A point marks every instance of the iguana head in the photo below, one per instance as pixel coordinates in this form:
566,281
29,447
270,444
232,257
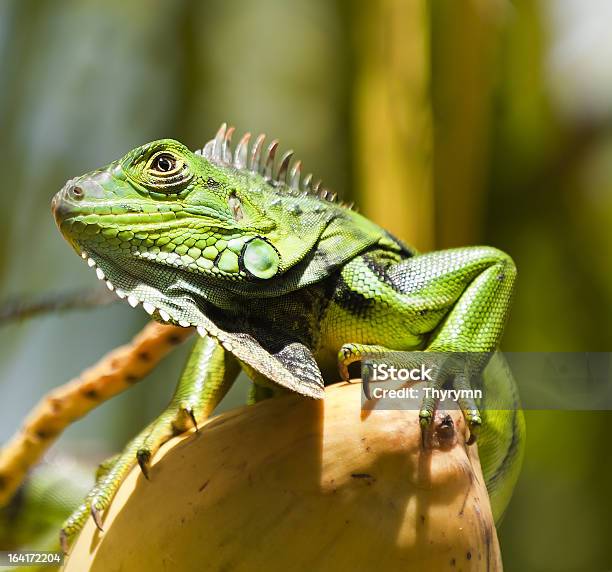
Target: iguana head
216,217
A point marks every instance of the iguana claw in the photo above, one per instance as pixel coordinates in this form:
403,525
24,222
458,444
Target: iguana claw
144,459
97,518
63,540
474,423
184,417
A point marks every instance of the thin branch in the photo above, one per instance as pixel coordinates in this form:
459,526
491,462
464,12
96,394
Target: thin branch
113,374
19,308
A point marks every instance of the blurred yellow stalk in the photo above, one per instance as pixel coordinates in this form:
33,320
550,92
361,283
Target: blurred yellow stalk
393,123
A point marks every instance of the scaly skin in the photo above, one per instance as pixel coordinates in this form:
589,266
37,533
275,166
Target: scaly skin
284,281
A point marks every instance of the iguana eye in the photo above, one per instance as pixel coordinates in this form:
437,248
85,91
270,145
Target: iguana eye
162,171
164,163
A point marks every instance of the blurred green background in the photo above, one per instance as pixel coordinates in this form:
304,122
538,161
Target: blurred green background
450,123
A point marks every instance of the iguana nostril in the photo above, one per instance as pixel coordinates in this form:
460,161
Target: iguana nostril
76,192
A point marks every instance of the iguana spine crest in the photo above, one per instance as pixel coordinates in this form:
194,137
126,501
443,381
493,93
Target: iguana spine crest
219,151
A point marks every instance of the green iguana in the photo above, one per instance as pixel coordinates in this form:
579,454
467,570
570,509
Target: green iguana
282,281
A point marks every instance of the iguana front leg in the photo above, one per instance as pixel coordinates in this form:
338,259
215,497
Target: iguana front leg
477,285
449,301
209,373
